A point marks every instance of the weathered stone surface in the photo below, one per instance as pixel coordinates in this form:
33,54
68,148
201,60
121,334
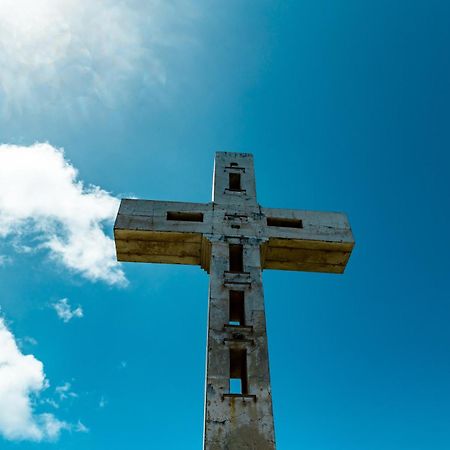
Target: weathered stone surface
233,239
323,244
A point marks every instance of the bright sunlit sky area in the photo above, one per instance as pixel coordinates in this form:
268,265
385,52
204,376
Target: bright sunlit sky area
345,106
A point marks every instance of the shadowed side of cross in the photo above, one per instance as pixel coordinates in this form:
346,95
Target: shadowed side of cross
233,238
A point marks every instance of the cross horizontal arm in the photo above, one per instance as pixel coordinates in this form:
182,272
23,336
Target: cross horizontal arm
177,233
310,241
161,232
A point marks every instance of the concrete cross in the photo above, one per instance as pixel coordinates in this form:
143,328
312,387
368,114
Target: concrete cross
233,238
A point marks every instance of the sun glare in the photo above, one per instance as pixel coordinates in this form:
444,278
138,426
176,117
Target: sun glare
69,54
30,17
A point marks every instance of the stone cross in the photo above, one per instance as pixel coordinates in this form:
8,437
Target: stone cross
233,238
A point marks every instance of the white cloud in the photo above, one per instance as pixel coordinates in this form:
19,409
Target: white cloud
51,402
70,53
123,365
22,378
27,340
64,311
64,391
81,428
4,260
40,196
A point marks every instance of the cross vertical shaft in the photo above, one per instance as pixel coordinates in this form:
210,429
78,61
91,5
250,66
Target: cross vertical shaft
236,417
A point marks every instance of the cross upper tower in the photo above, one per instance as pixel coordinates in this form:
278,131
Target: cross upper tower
233,238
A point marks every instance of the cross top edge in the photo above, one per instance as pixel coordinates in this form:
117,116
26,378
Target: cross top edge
234,179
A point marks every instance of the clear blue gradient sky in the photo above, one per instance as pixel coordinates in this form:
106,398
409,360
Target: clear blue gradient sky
346,107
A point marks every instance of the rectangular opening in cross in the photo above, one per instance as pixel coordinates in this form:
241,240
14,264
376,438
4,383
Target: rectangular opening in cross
234,181
185,216
236,255
238,371
284,222
235,386
237,308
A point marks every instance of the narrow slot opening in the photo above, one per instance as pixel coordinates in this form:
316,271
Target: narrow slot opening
238,371
234,164
237,308
234,181
284,222
236,258
185,216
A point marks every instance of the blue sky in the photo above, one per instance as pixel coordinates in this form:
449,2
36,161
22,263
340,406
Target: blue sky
345,106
